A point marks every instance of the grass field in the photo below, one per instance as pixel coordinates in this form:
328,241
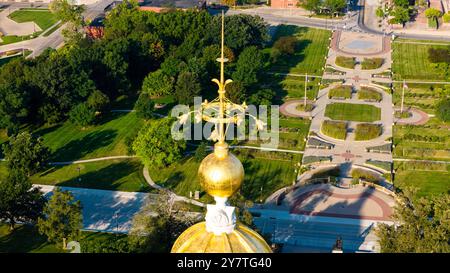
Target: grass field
312,47
410,61
117,174
288,87
43,18
26,239
427,182
70,142
259,172
353,112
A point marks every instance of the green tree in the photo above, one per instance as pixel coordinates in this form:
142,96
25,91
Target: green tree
156,146
443,110
98,101
236,92
187,87
379,12
335,6
157,84
401,15
285,45
422,225
401,3
25,153
15,94
82,115
158,224
249,66
144,106
311,5
67,12
19,201
62,219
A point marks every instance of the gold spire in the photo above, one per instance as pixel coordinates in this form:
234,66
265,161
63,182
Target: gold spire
221,175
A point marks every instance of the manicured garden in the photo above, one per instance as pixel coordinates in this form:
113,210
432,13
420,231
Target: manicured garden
341,91
346,62
425,180
353,112
367,131
334,129
372,63
369,94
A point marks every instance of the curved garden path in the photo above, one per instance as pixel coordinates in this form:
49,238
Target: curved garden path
289,108
418,117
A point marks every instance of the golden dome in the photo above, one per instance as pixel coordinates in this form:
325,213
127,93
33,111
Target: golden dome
221,173
241,240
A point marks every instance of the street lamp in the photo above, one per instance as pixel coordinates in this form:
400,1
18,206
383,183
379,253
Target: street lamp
79,172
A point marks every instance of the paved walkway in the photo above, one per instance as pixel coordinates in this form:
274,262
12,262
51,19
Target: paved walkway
11,27
418,117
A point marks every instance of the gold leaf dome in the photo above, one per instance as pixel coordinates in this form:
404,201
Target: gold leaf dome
221,173
241,240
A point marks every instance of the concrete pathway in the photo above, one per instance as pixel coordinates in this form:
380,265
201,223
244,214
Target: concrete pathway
11,27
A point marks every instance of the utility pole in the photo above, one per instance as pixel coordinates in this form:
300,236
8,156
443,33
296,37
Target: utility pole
403,97
306,84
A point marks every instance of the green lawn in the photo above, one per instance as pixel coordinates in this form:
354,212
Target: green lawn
43,18
427,182
69,142
312,47
270,174
366,131
288,87
372,63
119,175
410,61
353,112
26,239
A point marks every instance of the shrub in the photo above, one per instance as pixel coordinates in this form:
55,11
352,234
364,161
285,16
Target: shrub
347,62
144,106
443,110
335,129
367,93
404,114
366,131
98,101
365,175
446,17
342,91
372,63
157,84
82,115
432,23
308,108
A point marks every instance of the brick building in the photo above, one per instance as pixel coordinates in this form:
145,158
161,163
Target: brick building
283,4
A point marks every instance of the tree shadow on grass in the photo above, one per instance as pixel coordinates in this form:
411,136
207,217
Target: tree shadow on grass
79,148
46,130
25,239
107,177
